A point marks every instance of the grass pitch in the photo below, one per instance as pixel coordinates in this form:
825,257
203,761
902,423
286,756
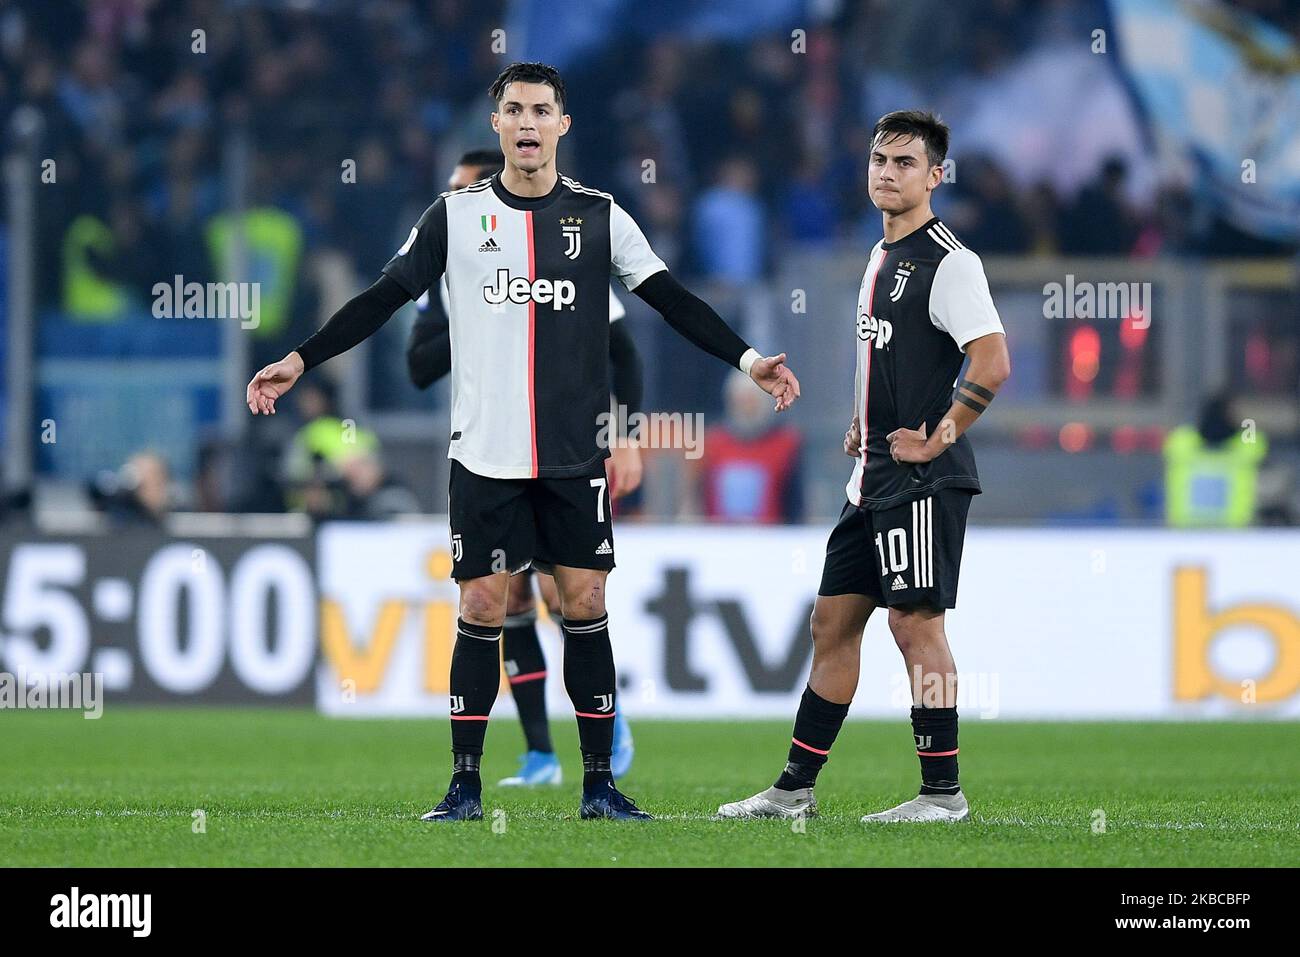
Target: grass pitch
293,788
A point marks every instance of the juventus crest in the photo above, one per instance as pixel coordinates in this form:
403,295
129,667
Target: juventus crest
901,275
572,229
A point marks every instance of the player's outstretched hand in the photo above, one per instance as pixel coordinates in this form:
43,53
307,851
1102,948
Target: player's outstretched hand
775,379
272,382
853,439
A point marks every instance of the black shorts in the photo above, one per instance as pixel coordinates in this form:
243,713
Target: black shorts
906,555
500,525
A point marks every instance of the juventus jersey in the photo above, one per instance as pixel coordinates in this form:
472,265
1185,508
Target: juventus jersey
528,306
922,299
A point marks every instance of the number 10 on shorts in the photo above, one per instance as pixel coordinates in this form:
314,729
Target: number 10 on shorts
896,560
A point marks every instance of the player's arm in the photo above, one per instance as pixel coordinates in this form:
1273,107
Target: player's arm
642,272
990,366
960,304
358,319
428,353
696,321
417,266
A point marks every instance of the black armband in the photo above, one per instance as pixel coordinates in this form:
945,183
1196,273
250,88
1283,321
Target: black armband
970,403
977,389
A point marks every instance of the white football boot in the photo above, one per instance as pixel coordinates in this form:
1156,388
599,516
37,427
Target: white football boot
773,803
925,807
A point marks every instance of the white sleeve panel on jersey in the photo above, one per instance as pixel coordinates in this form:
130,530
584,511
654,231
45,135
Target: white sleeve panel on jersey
616,310
960,302
631,259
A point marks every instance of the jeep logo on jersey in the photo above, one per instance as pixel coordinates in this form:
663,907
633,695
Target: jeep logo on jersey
560,293
572,235
869,327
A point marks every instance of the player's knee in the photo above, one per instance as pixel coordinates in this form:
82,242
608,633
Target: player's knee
481,604
583,598
910,630
825,632
553,607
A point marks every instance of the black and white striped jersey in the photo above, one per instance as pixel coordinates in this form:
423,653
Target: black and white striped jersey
528,304
922,299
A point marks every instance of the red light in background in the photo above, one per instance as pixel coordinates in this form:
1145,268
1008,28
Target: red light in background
1126,439
1133,331
1075,437
1259,358
1085,353
1034,437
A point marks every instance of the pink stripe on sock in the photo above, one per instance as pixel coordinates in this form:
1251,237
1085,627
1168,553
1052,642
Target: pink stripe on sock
808,747
469,717
583,714
531,676
938,754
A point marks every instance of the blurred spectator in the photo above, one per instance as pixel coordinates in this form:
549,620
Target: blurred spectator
730,225
139,493
313,462
751,470
1099,222
985,213
371,493
1212,469
808,210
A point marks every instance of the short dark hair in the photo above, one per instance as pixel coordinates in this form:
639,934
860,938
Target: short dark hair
486,160
919,124
528,73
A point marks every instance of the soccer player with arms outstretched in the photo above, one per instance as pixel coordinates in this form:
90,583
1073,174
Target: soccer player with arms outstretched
923,307
528,256
428,359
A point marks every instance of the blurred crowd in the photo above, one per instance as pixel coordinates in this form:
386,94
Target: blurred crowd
352,113
744,141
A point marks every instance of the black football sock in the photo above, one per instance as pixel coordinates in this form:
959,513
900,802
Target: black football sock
475,677
815,727
526,669
935,731
589,679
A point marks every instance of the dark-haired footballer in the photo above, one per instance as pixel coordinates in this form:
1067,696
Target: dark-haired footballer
923,308
528,256
428,359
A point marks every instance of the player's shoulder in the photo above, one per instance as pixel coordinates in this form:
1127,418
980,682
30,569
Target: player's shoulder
948,247
579,193
465,192
574,186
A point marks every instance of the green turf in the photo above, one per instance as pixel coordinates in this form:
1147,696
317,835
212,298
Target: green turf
294,788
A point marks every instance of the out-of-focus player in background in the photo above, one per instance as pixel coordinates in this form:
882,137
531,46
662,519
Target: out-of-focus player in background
923,307
528,256
428,359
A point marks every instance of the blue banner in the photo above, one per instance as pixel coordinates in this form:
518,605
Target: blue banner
1221,90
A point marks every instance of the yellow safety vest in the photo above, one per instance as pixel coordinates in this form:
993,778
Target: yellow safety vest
86,296
1211,486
